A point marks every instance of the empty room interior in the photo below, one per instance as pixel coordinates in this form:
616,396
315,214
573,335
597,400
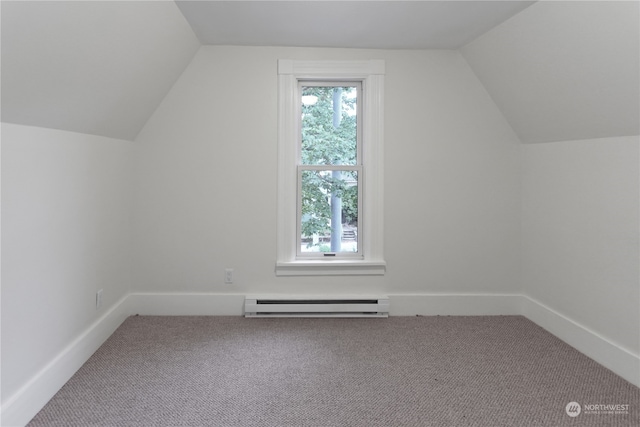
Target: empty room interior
151,170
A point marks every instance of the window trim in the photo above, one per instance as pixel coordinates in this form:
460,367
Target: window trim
371,74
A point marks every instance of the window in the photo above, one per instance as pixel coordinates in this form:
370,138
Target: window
330,168
329,165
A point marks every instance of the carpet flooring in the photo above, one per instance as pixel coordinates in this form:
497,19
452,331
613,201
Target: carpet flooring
487,371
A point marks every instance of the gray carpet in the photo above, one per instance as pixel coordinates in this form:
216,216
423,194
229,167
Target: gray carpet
488,371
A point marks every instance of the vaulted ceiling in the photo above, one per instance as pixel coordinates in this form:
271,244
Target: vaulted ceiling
564,70
558,70
351,24
96,67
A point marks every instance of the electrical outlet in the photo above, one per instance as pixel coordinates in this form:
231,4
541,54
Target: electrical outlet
228,275
99,299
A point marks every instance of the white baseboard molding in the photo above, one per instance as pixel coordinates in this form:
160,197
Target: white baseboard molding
206,304
610,355
24,404
454,304
187,304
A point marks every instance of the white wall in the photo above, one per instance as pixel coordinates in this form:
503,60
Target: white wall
580,219
206,180
66,226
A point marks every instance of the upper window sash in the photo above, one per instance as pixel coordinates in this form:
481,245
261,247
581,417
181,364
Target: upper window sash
357,84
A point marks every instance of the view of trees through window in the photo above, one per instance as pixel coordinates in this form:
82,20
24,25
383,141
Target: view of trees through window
329,169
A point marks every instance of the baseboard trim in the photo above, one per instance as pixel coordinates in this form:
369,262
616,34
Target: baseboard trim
186,304
24,404
610,355
204,304
454,304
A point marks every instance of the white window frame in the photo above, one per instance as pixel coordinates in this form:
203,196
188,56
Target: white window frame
371,74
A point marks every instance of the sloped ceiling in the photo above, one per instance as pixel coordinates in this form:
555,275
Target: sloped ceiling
95,67
558,70
103,67
350,24
564,70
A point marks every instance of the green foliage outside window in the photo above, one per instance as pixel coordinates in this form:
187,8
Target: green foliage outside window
329,137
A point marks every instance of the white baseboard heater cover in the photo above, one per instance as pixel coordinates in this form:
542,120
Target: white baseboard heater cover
316,307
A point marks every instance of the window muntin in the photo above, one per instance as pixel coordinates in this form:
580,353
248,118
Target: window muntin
329,163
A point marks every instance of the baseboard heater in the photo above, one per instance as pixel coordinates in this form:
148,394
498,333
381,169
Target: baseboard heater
316,307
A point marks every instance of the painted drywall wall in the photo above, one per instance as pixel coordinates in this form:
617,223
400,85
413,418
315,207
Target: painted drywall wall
206,180
66,226
580,220
564,70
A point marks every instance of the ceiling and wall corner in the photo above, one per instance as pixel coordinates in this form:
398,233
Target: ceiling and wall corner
563,71
98,68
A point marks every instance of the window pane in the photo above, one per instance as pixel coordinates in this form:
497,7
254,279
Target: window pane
329,125
329,221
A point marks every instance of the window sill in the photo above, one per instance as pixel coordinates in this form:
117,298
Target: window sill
331,268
